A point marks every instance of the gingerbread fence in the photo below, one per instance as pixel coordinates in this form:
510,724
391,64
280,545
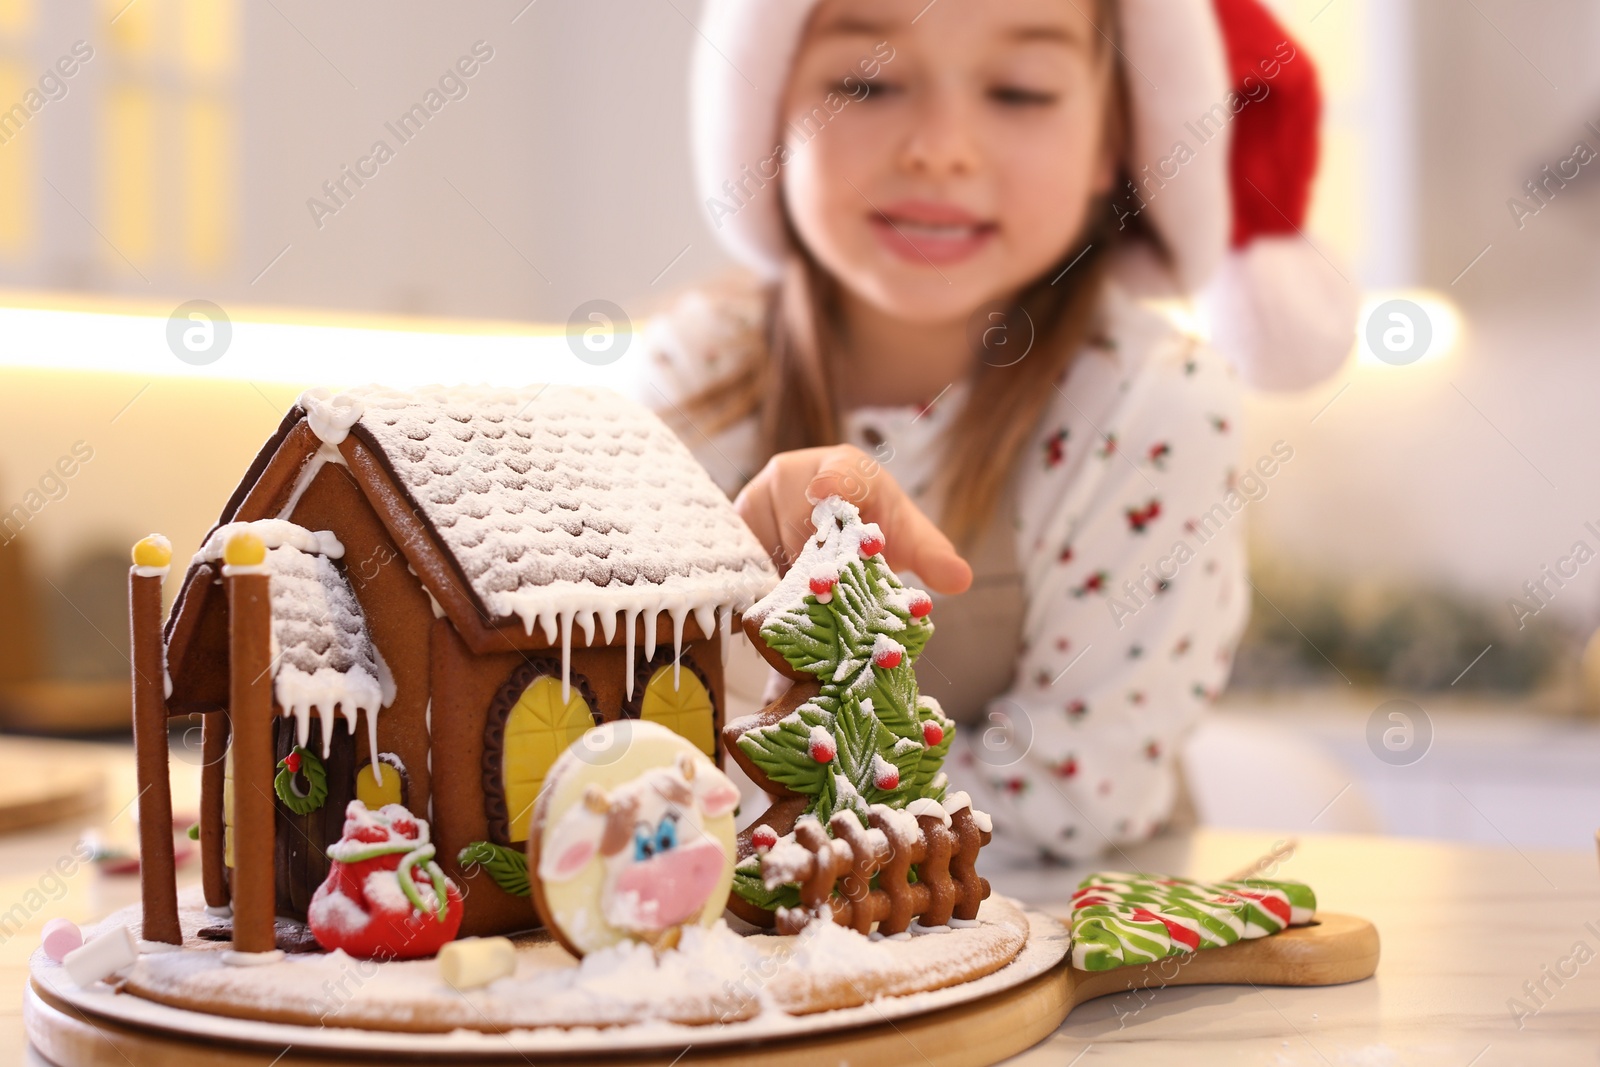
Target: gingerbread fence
836,873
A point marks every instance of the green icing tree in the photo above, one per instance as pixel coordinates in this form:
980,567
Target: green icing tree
842,616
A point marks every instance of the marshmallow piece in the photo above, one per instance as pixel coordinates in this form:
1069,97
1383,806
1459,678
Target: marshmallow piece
476,961
61,936
102,957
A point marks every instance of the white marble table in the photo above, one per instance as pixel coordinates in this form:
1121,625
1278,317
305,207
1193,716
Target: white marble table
1463,928
1449,966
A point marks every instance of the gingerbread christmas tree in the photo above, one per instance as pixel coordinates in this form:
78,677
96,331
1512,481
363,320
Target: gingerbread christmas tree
852,731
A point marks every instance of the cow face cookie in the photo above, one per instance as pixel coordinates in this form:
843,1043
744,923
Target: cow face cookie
632,839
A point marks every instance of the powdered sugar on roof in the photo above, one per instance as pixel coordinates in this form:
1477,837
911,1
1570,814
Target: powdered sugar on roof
561,503
323,658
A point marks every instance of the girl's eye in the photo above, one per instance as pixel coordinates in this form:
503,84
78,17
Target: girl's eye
1015,96
644,844
667,835
862,89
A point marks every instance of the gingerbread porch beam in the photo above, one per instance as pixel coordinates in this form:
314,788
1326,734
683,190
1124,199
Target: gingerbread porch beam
157,869
213,830
250,719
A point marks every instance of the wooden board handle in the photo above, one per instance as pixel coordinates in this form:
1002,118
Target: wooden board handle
1337,949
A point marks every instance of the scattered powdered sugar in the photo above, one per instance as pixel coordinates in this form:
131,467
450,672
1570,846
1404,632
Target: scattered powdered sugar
833,547
954,802
561,503
784,862
324,662
714,975
884,645
899,825
335,911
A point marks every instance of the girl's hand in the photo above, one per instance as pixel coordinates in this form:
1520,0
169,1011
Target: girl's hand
777,505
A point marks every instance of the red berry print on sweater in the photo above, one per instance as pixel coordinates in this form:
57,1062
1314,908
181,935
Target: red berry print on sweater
1066,555
1139,519
1095,583
1218,423
1183,646
1055,449
1067,768
1108,448
1017,786
1158,455
1077,710
1152,751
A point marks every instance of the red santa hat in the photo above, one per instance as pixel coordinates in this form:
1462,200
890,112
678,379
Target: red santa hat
1230,85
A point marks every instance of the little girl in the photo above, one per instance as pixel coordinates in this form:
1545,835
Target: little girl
944,209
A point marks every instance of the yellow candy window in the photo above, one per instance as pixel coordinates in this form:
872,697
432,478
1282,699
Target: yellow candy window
375,792
538,728
684,708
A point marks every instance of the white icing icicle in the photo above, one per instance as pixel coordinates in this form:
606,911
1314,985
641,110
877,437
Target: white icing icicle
629,623
586,619
564,622
649,633
705,617
372,746
677,642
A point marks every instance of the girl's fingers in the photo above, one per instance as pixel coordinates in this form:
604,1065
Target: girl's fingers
923,548
756,506
913,541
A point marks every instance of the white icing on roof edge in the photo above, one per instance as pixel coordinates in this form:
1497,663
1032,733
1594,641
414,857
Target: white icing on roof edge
274,533
710,598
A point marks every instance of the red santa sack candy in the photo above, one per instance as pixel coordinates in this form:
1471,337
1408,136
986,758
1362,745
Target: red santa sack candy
384,897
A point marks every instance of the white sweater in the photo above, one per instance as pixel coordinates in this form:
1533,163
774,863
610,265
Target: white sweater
1132,477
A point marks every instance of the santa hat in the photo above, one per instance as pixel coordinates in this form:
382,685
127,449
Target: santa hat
1230,84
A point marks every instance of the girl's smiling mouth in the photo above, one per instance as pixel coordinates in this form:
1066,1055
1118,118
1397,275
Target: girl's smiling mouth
926,231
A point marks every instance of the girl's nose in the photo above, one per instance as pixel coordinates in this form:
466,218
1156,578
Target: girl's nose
940,142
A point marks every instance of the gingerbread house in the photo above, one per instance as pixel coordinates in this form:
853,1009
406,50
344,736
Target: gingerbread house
423,598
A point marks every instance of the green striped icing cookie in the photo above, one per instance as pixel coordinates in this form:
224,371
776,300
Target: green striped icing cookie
1119,920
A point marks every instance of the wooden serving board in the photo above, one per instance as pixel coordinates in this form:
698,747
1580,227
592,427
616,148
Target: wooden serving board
1336,949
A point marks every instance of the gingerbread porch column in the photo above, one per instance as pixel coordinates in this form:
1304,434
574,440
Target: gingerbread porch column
157,875
250,717
213,827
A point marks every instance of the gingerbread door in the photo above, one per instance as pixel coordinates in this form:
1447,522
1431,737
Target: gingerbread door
312,793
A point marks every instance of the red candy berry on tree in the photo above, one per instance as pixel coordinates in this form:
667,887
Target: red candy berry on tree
888,658
763,838
932,733
871,545
921,604
822,587
822,748
885,775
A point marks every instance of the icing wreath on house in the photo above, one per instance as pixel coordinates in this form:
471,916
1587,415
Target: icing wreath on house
453,585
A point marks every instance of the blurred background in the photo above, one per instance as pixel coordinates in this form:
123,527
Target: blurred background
203,150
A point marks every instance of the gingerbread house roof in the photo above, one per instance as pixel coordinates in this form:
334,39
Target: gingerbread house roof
558,504
323,657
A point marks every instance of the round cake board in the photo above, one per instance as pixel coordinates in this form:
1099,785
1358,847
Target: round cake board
980,1031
